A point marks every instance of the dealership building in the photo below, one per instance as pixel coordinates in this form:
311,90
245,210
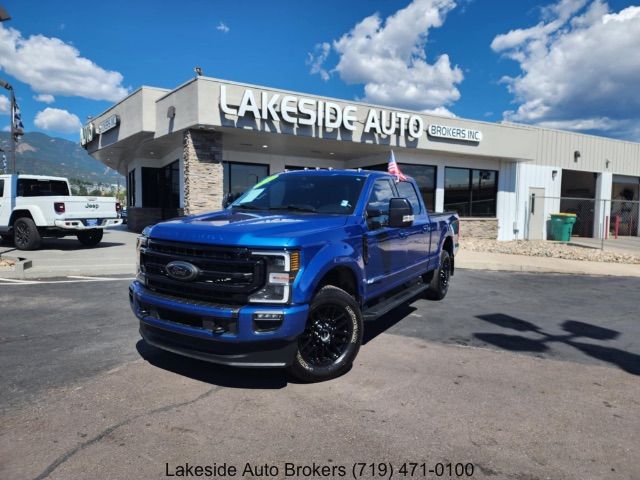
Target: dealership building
183,150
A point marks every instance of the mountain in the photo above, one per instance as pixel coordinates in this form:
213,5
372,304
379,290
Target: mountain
40,154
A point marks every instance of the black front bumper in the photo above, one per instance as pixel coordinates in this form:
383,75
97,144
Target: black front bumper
277,353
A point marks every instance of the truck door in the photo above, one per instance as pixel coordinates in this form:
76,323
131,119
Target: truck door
418,235
386,249
5,204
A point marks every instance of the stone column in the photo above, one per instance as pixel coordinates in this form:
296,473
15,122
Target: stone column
203,172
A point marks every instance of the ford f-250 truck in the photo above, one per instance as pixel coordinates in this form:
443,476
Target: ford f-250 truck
35,206
286,274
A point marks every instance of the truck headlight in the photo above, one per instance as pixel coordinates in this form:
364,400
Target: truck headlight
141,243
281,271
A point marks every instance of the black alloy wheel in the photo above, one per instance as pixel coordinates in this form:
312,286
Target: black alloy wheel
327,336
26,235
331,338
439,281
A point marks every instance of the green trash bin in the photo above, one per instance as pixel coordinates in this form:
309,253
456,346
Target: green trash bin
562,226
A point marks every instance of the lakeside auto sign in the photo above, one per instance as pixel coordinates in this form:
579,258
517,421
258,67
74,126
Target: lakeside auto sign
325,113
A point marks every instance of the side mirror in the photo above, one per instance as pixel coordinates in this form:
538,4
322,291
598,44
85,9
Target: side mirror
400,213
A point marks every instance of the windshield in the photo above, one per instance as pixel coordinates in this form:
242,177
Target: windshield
333,194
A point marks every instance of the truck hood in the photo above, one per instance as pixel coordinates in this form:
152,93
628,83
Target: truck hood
249,229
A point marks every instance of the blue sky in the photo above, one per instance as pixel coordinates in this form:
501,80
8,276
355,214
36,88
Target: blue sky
275,44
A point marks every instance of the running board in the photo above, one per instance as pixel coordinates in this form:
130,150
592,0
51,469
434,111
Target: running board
396,300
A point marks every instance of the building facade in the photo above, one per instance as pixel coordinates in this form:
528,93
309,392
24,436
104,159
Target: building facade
183,150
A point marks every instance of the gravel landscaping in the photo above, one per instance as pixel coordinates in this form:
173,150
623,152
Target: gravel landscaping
6,263
541,248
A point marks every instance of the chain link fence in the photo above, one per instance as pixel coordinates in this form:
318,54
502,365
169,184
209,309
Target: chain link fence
605,224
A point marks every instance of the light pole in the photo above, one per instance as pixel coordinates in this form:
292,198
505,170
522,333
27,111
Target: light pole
12,121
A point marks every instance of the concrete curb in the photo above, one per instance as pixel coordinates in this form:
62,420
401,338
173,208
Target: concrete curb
521,263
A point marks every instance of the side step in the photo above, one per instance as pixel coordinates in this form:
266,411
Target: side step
394,301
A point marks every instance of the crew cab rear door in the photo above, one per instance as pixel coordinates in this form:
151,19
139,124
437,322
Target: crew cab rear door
417,236
385,248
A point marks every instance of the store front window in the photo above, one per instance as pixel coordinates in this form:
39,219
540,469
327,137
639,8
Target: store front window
470,192
161,189
425,177
131,188
239,177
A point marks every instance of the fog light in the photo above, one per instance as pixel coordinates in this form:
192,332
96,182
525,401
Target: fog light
267,321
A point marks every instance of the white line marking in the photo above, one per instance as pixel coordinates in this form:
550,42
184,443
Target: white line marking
19,283
82,277
11,280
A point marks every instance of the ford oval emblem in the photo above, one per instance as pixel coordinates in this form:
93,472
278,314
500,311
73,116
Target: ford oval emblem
183,271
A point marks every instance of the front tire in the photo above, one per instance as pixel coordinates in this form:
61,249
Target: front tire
90,238
26,235
439,281
331,339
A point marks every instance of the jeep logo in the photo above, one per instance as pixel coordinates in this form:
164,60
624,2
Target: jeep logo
95,206
183,271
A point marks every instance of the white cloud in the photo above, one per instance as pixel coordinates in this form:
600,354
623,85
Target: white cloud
388,57
45,98
223,27
580,69
52,66
57,120
316,60
5,105
6,128
440,112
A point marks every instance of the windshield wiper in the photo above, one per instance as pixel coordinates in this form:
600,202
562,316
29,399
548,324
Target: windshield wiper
297,208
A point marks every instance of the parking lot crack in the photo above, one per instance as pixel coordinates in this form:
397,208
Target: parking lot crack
107,431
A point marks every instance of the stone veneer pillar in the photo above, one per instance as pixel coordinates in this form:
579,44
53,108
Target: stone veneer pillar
203,172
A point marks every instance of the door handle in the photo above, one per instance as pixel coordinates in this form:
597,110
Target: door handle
425,228
402,234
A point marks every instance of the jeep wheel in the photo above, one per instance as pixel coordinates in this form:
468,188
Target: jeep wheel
26,235
439,284
332,337
90,238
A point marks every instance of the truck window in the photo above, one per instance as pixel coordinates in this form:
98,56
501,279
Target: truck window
32,187
378,204
1,188
407,190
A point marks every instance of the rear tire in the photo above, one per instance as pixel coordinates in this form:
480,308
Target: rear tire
90,238
331,339
26,235
440,279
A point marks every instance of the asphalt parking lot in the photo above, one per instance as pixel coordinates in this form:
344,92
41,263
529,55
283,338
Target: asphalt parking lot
66,256
526,376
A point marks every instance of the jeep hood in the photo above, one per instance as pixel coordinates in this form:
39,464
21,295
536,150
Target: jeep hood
250,228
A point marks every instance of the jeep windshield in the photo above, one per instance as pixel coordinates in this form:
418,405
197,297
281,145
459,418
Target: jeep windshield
328,194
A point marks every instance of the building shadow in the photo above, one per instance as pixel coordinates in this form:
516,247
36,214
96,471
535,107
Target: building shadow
574,334
221,375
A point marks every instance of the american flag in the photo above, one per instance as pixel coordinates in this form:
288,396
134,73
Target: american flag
18,127
393,169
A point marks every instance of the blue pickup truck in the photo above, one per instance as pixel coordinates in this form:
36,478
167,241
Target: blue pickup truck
286,275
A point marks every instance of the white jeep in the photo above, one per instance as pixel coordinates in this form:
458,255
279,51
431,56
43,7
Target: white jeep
33,207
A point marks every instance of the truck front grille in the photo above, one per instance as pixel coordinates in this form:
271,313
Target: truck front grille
226,275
